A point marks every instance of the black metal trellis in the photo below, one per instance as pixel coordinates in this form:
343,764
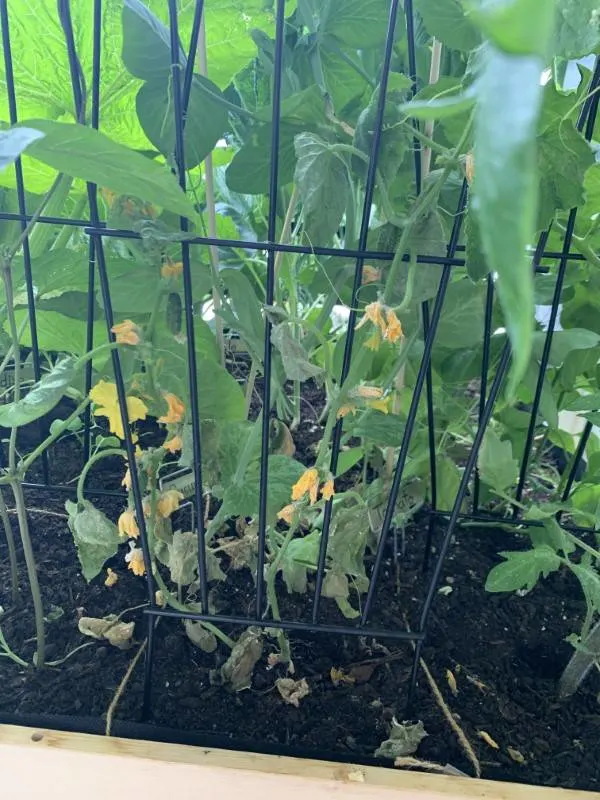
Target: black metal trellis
97,230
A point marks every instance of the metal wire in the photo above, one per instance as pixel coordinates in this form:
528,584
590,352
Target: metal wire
492,374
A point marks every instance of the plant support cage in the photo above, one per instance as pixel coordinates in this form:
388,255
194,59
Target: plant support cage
443,524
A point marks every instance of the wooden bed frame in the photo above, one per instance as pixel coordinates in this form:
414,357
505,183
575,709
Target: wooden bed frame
54,765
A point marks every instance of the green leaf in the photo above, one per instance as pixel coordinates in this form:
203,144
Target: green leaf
590,583
58,333
439,105
90,155
521,27
577,28
564,158
146,42
246,318
448,479
522,569
462,313
563,342
220,396
495,462
348,459
250,168
322,180
505,187
293,356
356,23
384,430
447,21
41,398
205,122
96,537
242,499
13,142
553,536
301,553
587,402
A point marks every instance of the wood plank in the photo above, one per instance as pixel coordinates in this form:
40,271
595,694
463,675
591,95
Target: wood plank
70,766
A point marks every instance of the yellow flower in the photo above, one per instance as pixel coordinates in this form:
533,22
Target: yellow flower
287,513
172,269
370,274
373,313
382,405
111,578
308,483
368,392
169,502
135,560
176,409
127,524
174,445
104,395
328,489
343,411
374,341
393,331
386,324
159,598
126,482
126,332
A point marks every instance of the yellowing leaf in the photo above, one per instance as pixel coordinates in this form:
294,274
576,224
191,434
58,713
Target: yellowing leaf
488,740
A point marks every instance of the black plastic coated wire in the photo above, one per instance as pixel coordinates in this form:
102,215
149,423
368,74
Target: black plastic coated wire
362,243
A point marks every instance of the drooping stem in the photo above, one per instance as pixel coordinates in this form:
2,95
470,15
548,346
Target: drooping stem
94,460
12,550
209,188
434,76
32,575
250,383
26,463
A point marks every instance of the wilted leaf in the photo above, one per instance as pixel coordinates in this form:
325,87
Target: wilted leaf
404,740
293,356
238,668
96,537
183,558
292,691
339,677
198,635
110,628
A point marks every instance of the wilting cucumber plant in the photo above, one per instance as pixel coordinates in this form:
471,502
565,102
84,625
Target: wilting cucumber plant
488,109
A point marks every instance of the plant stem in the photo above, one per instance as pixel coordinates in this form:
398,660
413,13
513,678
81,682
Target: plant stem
250,386
171,600
24,464
209,188
33,221
434,76
8,653
34,585
94,460
12,550
67,230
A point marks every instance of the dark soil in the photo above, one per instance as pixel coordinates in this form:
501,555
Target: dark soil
506,653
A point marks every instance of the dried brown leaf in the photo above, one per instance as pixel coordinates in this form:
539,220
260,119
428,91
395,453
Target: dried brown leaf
292,691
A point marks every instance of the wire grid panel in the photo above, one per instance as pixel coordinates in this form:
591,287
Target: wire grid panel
86,98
